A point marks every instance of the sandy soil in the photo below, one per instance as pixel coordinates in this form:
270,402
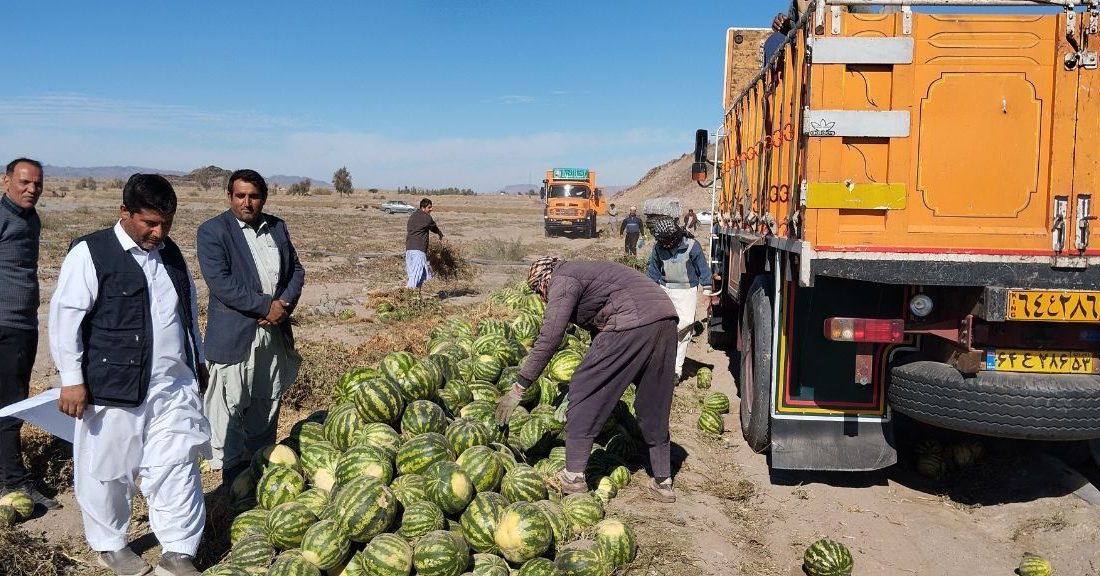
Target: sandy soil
733,515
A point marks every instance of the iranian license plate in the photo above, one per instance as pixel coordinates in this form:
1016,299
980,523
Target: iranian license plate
1053,306
1045,361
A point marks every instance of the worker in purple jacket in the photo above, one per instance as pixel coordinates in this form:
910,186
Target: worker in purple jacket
634,326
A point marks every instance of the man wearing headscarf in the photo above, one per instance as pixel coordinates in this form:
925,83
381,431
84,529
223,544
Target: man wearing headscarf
634,327
678,265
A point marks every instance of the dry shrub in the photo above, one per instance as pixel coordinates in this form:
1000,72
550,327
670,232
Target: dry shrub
48,457
632,261
448,262
403,304
22,554
323,362
507,250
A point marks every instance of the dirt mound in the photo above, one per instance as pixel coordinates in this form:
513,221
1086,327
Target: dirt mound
673,179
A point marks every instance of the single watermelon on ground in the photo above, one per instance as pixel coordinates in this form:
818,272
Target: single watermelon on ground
440,553
827,558
579,562
615,541
523,532
479,520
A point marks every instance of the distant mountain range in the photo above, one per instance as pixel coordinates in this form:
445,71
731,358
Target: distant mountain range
124,172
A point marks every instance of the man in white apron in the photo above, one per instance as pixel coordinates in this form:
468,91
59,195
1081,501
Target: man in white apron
124,335
678,265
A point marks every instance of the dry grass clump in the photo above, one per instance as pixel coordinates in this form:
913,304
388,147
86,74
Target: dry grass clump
506,250
323,362
403,304
448,261
1054,523
48,457
22,554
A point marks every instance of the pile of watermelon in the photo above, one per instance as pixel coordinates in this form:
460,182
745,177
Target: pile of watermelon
715,405
407,471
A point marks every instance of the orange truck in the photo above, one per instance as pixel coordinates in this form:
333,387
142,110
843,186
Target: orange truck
572,202
904,206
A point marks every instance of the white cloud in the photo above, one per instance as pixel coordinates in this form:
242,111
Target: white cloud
516,99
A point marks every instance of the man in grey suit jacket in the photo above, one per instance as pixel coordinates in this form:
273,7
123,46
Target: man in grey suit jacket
255,280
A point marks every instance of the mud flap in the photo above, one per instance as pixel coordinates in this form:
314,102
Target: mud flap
840,444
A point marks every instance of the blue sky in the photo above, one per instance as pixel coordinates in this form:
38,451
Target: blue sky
477,93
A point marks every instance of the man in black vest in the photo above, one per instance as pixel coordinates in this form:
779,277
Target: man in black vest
124,336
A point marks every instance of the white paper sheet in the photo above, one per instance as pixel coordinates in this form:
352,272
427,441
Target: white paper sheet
41,410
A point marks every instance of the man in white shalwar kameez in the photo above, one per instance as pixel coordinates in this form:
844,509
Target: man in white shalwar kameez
124,335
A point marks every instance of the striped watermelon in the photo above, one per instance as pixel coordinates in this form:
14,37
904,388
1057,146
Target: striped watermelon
20,501
482,390
8,516
364,508
287,523
227,570
273,455
523,484
482,464
534,431
449,486
703,378
516,352
353,567
711,422
243,487
487,367
252,551
479,410
450,401
507,456
548,468
491,345
454,326
445,365
563,364
519,417
396,364
387,555
827,558
381,436
421,417
463,434
583,510
418,381
319,455
579,562
324,546
489,565
620,476
342,392
717,402
304,433
559,522
420,452
533,304
246,523
342,424
420,518
315,499
440,553
549,391
522,532
1034,565
537,567
363,460
278,485
621,446
379,400
291,563
615,542
525,328
493,326
465,369
479,521
410,488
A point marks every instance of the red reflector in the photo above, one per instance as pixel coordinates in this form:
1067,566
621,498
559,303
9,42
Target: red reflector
864,330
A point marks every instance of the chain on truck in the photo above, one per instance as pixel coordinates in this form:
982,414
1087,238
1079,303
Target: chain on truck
906,203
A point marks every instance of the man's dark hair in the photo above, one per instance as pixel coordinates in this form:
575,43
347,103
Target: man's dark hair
424,202
252,177
151,191
18,161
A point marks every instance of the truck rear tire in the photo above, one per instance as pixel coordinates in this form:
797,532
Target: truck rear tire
756,373
1001,404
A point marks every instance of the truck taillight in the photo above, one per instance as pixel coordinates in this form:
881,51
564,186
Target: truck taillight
864,330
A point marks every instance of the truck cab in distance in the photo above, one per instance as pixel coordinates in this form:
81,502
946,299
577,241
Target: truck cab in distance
572,202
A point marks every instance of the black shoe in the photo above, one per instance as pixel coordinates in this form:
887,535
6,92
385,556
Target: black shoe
41,499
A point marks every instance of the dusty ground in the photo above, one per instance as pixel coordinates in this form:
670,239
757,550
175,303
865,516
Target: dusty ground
733,516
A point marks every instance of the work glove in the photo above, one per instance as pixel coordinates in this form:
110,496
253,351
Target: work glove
508,402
